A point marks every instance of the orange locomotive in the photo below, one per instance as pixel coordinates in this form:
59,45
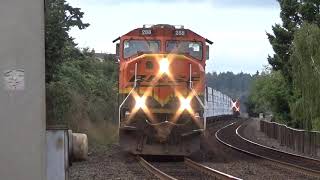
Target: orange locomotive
161,90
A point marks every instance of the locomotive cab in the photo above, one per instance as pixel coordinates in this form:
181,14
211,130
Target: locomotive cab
161,90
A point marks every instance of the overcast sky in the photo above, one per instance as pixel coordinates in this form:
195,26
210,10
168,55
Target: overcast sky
237,28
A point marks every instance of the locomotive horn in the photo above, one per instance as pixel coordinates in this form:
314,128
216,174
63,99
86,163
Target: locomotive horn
117,39
208,41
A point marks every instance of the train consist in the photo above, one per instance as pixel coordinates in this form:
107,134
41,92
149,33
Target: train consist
219,104
163,98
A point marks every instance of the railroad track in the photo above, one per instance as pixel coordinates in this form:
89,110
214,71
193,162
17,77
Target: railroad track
229,135
209,171
183,170
214,119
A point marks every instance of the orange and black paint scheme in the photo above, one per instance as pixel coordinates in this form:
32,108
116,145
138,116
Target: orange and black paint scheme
161,90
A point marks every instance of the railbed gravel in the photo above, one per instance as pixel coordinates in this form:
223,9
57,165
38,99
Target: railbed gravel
179,170
227,160
108,162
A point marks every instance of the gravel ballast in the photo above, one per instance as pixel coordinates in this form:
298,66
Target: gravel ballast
230,161
108,162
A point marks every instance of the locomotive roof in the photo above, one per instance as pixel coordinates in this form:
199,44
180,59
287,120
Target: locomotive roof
164,30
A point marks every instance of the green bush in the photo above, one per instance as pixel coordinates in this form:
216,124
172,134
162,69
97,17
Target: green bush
81,91
83,95
269,95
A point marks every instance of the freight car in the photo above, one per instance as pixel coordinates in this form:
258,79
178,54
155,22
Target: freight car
162,92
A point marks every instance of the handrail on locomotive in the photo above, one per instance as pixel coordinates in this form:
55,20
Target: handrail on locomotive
199,100
131,91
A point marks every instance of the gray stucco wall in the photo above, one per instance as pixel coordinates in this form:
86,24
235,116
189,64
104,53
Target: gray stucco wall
22,110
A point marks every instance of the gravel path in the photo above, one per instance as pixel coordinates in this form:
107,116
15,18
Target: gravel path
252,132
108,162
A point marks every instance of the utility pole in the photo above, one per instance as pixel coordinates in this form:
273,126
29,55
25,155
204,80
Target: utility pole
22,90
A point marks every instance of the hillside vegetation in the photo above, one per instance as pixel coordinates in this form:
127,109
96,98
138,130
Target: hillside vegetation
81,90
236,86
290,90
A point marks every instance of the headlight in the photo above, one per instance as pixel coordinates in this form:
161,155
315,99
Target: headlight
140,102
164,65
185,103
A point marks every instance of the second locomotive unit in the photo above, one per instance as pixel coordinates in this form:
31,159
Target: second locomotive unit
162,90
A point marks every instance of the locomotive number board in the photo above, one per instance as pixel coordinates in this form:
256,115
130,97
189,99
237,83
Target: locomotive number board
180,32
146,32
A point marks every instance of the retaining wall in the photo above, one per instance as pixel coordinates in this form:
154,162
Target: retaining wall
306,142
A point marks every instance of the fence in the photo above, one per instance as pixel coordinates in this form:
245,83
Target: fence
307,142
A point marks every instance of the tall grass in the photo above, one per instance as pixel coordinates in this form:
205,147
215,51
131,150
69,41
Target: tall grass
84,97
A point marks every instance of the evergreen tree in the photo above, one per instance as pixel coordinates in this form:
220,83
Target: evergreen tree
282,37
293,14
60,18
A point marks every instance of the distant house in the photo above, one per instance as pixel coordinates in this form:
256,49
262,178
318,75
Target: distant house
100,56
105,57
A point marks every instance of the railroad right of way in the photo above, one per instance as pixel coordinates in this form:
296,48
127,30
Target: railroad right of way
229,136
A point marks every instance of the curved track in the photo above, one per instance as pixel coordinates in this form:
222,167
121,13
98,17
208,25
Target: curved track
229,135
186,170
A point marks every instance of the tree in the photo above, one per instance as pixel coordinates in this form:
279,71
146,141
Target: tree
293,14
269,94
282,37
81,91
305,62
60,18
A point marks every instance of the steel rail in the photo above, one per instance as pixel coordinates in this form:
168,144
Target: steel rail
273,149
208,171
281,163
153,170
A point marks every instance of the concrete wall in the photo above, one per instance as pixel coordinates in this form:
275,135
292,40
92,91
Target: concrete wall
22,90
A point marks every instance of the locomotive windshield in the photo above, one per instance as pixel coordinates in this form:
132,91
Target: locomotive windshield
191,48
133,47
